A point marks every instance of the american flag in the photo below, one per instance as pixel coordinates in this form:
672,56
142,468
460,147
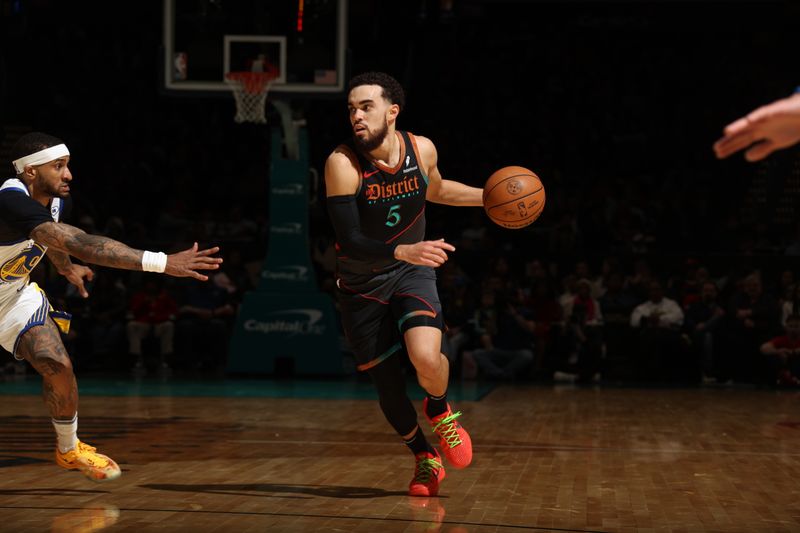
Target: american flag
325,77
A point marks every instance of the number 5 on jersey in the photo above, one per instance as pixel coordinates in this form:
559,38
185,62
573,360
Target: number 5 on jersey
393,217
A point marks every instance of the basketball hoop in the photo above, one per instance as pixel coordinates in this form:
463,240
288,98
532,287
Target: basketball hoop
250,91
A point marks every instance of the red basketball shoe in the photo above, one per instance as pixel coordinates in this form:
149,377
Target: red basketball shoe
428,474
453,438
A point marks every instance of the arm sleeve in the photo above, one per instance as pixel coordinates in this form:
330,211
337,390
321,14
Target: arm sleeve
22,212
343,212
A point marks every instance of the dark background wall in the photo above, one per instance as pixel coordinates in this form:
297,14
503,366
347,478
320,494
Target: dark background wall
605,100
614,104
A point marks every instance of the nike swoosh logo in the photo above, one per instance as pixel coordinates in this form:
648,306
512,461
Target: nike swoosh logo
368,174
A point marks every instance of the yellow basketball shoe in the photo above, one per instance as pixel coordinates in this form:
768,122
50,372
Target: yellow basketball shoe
95,466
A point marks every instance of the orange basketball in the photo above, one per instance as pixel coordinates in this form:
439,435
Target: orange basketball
513,197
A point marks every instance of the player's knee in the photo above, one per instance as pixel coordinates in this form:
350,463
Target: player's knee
66,367
52,364
428,362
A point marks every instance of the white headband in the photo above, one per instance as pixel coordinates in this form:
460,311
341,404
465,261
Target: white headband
41,157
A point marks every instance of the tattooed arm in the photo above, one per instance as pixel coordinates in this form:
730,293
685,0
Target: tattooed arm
60,260
74,273
89,248
107,252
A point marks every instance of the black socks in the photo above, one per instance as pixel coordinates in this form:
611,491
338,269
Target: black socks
436,405
418,443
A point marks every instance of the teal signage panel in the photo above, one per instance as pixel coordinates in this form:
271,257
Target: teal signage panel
300,327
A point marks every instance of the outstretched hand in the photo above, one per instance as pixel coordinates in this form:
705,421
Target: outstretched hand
76,274
186,263
766,129
424,253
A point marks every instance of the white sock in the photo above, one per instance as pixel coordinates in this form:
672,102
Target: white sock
67,432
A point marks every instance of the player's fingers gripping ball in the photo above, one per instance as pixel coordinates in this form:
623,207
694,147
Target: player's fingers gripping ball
513,197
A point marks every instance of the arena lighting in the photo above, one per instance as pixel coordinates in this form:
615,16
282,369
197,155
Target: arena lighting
300,16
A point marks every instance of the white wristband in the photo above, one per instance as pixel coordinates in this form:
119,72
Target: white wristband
154,261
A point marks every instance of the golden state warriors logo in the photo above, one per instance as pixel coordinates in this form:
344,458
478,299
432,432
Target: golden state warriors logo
21,265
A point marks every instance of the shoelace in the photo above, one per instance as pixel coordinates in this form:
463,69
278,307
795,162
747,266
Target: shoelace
425,468
86,447
88,452
447,429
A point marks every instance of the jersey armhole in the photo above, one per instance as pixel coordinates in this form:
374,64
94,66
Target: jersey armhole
414,147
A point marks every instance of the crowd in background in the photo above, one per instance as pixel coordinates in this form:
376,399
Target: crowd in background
652,260
513,312
524,313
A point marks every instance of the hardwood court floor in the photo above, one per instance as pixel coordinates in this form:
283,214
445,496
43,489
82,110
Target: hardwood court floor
546,459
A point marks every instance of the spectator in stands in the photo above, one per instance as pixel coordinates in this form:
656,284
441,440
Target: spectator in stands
617,305
565,236
204,321
755,318
609,265
107,307
687,286
548,316
505,337
569,288
583,271
704,320
535,271
151,312
791,306
638,283
584,331
457,298
234,277
783,352
500,277
237,227
785,287
793,246
658,321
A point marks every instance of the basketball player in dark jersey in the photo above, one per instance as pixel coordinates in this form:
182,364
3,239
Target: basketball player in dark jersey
377,185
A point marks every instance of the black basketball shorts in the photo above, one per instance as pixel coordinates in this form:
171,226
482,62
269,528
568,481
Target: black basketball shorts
375,313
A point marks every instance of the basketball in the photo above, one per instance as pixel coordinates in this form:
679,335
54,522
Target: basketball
513,197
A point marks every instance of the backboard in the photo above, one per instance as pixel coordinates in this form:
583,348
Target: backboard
304,40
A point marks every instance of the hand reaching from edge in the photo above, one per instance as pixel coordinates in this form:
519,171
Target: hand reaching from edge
766,129
186,263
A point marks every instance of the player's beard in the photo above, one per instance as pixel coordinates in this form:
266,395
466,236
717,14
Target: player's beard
53,190
369,143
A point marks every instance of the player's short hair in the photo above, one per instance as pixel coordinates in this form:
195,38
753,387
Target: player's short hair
31,143
392,90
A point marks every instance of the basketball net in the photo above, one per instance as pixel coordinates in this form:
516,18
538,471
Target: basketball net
250,92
